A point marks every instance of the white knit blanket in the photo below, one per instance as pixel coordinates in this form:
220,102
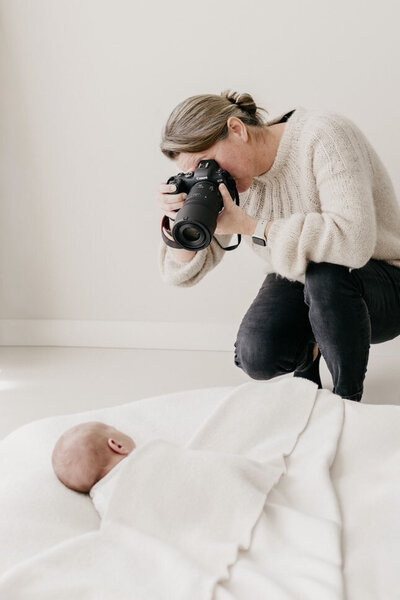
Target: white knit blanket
179,516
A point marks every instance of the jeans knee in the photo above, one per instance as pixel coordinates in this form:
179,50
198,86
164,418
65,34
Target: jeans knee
255,361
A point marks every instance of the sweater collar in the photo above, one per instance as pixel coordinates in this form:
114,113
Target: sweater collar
284,144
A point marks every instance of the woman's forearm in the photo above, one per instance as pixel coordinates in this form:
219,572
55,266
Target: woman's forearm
250,224
183,255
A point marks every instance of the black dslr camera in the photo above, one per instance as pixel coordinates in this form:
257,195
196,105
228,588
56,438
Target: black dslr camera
196,221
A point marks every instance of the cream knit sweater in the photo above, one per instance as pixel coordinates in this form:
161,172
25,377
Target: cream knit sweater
329,196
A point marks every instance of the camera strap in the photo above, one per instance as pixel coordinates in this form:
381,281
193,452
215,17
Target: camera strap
239,237
167,235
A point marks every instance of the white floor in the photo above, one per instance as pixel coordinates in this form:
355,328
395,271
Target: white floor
38,382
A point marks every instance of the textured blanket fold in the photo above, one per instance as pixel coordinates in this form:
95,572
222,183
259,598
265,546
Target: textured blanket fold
178,516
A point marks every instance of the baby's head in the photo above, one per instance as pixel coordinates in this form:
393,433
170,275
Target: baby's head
85,453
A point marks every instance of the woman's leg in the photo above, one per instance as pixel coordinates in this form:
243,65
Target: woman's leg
274,335
348,310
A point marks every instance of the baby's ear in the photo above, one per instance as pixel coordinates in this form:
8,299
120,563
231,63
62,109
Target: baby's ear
116,446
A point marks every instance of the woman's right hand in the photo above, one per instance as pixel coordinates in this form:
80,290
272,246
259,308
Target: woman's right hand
169,201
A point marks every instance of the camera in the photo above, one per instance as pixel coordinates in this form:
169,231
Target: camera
196,221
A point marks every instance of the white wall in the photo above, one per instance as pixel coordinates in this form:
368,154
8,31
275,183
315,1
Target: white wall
85,90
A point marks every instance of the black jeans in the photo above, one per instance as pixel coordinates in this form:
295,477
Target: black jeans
342,310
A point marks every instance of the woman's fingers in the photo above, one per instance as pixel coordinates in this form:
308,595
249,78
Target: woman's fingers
167,187
226,197
172,202
168,201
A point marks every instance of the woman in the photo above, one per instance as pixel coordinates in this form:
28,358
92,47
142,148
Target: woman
311,182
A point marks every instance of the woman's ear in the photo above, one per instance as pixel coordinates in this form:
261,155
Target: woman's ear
238,127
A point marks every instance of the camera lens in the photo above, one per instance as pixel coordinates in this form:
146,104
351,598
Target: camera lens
196,221
191,234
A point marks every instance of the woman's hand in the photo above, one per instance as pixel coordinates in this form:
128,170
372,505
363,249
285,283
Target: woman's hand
168,201
233,219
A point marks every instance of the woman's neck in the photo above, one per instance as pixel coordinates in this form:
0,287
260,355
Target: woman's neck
268,147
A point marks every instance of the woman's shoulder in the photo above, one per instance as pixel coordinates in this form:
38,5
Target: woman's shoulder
328,135
337,144
320,123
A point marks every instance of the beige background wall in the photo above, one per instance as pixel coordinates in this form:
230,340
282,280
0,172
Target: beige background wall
85,90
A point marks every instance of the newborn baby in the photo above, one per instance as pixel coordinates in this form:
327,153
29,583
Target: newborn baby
86,453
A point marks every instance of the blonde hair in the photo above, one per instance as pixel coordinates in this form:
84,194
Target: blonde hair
200,121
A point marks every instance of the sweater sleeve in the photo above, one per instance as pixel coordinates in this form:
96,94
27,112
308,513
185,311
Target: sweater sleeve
344,232
187,274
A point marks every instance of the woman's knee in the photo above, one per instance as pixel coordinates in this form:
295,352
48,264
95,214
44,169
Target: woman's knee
258,357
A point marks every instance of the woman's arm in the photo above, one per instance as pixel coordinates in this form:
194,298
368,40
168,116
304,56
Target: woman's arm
183,255
174,271
345,231
250,224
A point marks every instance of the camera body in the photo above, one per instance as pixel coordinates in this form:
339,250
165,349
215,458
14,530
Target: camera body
196,221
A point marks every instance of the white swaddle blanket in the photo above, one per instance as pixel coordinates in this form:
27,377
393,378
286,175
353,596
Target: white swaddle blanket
101,492
175,518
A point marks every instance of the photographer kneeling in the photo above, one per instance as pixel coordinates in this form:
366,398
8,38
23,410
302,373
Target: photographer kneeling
317,204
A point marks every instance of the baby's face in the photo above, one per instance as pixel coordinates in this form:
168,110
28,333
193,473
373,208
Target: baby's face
87,452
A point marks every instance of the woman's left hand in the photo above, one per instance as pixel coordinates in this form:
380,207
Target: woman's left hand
233,219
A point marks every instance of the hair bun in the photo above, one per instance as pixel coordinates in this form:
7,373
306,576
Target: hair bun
244,101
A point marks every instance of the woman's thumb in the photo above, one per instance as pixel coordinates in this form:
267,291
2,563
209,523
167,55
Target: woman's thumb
224,192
